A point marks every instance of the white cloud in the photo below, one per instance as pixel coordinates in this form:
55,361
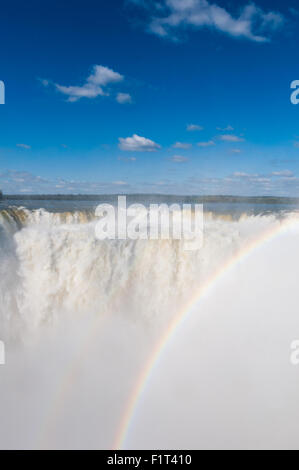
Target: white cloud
239,183
120,183
169,17
16,182
138,144
179,159
46,83
231,138
240,174
236,151
127,159
283,173
24,146
225,129
124,98
103,76
252,177
182,145
209,143
194,127
95,85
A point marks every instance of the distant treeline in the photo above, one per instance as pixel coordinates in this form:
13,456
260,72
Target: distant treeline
154,198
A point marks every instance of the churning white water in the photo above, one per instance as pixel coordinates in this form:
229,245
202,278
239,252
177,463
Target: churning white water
80,317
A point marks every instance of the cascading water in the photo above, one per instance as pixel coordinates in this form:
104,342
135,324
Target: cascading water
53,265
79,316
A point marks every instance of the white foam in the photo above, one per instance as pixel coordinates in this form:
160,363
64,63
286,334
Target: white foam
79,317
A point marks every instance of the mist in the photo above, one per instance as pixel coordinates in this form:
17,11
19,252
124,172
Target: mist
80,318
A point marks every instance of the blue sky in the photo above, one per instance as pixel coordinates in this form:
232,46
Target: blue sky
169,96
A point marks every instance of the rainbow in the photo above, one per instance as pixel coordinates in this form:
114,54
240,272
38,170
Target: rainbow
162,344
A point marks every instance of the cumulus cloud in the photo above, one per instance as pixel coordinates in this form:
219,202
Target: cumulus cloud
194,127
182,145
95,85
167,18
231,138
137,143
124,98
